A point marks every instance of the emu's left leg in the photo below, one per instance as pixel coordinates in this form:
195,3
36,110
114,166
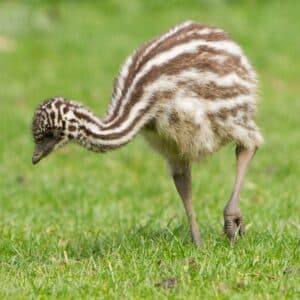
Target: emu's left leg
181,173
233,219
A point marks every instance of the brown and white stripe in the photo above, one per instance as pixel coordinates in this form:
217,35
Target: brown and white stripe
190,60
159,64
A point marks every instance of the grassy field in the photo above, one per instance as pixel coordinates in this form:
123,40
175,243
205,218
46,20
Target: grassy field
82,225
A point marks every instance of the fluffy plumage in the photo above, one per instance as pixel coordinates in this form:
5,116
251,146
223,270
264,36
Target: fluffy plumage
188,91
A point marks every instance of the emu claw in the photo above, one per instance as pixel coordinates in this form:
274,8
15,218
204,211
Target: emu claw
233,225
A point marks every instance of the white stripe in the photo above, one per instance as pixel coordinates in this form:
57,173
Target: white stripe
120,82
204,31
207,76
234,49
175,30
215,106
170,33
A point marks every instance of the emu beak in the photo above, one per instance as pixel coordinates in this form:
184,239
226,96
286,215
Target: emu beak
37,155
43,149
40,151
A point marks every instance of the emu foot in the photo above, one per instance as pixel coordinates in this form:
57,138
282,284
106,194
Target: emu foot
197,241
196,236
233,225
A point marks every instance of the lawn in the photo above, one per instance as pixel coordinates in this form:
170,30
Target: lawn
84,225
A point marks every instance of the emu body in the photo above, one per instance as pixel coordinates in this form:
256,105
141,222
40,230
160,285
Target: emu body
189,92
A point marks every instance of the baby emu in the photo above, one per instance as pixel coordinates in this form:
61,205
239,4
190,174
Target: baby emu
188,91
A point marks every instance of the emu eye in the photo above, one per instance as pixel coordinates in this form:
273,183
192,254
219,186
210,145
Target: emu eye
49,135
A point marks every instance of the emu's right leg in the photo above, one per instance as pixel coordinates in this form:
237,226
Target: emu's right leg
233,219
183,181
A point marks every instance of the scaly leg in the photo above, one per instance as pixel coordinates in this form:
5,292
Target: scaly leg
182,178
233,219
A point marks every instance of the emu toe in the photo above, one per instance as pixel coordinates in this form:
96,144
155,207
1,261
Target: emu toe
233,226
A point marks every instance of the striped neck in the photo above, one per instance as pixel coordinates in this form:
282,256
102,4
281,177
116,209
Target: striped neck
80,125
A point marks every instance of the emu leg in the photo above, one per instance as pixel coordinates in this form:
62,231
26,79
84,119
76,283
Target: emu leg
183,182
233,219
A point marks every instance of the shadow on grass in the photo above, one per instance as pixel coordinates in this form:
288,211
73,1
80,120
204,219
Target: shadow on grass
144,239
135,239
174,240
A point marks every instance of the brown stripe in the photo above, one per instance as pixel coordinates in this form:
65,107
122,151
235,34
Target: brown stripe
52,116
85,117
212,91
63,125
59,116
65,109
205,61
183,38
223,113
49,120
57,103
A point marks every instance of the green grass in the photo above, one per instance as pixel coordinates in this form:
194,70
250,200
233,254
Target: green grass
82,225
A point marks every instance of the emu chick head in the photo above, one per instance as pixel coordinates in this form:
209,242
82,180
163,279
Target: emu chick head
48,134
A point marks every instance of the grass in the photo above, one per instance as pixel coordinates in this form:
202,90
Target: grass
81,225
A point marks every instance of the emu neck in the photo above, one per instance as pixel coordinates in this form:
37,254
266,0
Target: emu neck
95,134
101,135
